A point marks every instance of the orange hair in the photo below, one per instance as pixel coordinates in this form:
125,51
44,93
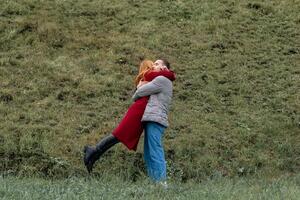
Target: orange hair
145,66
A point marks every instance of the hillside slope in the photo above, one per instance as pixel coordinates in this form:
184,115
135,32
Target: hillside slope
67,70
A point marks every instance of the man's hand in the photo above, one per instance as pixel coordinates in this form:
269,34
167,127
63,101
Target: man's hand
164,68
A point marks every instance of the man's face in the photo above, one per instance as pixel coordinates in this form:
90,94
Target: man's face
159,65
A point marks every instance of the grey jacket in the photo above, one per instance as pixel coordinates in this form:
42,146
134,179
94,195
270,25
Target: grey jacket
160,91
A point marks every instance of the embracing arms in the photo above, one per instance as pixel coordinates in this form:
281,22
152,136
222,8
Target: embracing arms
149,88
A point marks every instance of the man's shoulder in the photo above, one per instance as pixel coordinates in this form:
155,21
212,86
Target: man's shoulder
163,83
161,79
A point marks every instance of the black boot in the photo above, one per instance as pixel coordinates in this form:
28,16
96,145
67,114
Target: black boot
91,154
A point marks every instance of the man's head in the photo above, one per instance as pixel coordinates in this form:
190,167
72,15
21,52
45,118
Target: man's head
161,64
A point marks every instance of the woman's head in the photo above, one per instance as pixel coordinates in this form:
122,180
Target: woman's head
145,66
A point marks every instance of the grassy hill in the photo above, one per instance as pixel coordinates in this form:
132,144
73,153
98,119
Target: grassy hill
67,70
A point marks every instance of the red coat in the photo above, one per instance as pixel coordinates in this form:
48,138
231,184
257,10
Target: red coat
130,128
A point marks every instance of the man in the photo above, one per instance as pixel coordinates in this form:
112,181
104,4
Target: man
155,120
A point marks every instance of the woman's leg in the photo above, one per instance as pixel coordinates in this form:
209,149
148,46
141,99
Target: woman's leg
91,154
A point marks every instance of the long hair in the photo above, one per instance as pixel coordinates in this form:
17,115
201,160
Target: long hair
145,66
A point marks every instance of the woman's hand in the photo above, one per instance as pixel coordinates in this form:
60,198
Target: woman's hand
141,83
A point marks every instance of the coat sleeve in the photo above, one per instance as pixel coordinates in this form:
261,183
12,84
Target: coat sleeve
150,88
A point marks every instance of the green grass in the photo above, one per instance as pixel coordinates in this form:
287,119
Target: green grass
67,70
111,187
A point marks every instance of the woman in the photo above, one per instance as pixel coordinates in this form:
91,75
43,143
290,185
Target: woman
130,128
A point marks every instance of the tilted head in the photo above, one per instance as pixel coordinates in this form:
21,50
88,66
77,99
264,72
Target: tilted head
161,64
145,66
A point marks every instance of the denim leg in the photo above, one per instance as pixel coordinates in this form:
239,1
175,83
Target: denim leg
154,152
146,149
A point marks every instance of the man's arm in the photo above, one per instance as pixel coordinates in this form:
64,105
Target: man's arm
153,87
141,83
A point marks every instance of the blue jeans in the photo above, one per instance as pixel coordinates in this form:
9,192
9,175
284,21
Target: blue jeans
154,152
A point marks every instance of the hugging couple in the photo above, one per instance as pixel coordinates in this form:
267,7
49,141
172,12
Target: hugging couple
148,112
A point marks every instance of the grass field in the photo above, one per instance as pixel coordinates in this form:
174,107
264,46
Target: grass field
66,79
286,188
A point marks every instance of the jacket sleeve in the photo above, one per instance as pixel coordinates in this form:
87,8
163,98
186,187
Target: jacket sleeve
150,88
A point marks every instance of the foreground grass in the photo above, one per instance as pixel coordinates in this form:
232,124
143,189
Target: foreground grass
115,188
67,70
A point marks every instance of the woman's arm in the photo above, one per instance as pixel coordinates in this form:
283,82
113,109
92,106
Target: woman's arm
166,73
